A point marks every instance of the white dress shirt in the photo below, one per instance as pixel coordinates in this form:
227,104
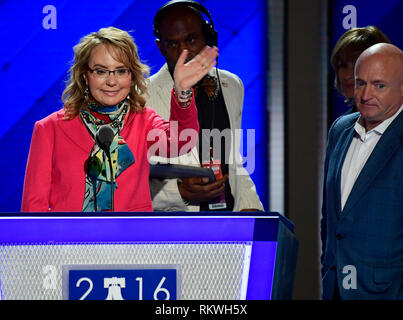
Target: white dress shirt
360,149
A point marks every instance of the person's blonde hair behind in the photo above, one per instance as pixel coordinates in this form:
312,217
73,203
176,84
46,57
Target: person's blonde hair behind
122,45
356,39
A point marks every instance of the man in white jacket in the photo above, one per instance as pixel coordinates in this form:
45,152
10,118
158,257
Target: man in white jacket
178,26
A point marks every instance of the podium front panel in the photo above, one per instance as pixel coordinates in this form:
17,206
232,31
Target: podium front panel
218,257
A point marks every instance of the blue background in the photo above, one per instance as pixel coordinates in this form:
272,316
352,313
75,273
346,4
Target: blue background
34,64
386,15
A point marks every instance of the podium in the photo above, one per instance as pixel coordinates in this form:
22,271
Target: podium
230,256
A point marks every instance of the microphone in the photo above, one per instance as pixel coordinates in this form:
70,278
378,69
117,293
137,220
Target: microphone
104,138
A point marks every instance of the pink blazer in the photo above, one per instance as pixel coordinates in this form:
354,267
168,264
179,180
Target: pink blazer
55,175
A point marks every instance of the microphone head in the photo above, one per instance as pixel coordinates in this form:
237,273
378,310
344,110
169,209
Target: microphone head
104,137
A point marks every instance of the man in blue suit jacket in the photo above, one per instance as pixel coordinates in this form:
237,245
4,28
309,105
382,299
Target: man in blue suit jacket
362,213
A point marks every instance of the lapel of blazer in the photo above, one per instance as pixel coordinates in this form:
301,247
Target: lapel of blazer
165,84
76,131
341,149
228,98
390,141
128,120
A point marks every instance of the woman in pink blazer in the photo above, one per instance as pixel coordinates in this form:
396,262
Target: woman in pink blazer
67,170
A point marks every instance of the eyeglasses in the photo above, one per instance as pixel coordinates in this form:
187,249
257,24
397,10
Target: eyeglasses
121,73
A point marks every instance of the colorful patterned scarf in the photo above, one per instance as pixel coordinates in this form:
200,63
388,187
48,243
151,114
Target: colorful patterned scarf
97,195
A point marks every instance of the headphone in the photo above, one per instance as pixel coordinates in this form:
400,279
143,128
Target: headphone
208,26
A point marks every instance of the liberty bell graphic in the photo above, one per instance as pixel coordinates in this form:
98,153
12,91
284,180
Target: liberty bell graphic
114,286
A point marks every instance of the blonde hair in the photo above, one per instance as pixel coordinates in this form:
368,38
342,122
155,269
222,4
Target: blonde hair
355,39
123,46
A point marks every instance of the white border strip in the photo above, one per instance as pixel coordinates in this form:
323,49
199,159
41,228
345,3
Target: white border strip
245,271
130,217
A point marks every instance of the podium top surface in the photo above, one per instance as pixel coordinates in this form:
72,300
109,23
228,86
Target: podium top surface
134,227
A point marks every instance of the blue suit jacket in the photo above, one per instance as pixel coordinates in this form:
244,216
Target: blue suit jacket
367,236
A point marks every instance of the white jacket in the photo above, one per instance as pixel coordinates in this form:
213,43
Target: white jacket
165,194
